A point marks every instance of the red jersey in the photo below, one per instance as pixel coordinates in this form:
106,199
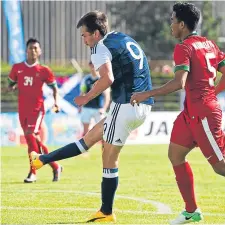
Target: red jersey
201,58
30,79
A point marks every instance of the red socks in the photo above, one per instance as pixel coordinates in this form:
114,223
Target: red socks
44,150
185,182
32,146
37,146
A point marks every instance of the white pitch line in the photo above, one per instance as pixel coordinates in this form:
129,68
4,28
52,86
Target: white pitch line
93,210
160,207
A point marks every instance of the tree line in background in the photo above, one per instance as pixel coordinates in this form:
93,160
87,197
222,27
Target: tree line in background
148,22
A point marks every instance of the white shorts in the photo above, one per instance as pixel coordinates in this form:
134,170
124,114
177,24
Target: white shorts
88,113
121,120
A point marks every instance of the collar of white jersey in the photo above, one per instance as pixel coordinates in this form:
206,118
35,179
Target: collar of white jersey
103,39
34,64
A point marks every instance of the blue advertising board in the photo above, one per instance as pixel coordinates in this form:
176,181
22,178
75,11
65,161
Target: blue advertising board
12,11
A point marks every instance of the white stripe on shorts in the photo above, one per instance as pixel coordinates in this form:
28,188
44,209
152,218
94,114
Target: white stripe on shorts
111,131
38,122
211,139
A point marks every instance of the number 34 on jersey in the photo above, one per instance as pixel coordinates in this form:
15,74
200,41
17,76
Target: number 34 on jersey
28,81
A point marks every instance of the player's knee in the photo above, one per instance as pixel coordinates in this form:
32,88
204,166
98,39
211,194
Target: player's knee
219,168
176,158
220,172
173,156
177,154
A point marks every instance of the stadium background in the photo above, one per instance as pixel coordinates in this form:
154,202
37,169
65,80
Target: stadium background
54,24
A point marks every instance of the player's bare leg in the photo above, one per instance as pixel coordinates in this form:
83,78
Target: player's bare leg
177,154
110,156
102,116
185,182
72,149
219,167
86,129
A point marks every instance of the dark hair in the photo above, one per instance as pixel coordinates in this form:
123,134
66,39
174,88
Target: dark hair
32,40
188,13
94,20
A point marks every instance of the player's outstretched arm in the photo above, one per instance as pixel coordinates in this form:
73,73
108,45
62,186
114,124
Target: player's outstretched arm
173,85
221,84
105,81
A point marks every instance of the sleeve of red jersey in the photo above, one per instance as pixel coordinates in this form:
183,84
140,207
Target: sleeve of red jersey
182,55
220,57
12,76
50,78
221,60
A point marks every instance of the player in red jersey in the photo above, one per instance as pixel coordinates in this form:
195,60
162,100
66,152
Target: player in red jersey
29,77
197,61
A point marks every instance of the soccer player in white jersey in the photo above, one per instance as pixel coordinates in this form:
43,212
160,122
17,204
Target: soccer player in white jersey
97,107
123,66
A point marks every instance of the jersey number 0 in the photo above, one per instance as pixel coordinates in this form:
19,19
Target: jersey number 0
139,57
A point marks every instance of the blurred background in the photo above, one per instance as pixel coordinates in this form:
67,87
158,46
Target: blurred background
53,23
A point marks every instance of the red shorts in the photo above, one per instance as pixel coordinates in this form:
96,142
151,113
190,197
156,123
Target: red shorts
205,133
31,122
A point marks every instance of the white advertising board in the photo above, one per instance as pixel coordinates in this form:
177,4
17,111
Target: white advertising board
157,129
61,129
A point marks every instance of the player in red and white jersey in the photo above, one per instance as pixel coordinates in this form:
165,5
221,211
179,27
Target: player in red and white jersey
28,77
197,61
201,58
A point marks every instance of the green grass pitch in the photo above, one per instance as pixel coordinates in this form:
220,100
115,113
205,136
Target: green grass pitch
147,192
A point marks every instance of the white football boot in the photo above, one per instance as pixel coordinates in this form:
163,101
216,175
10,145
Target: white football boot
31,178
186,217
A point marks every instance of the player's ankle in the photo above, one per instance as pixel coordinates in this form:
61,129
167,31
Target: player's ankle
41,159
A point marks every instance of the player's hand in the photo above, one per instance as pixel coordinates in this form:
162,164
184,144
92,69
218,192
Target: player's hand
56,108
81,100
12,88
138,97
